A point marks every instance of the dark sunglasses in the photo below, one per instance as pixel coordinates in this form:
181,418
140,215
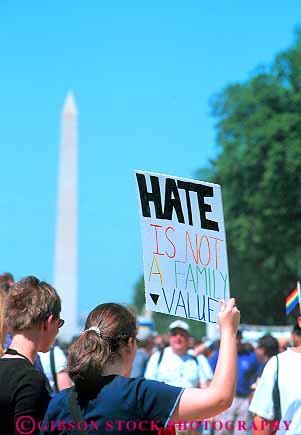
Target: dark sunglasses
61,322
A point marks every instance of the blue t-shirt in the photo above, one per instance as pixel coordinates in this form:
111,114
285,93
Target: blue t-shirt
120,405
248,369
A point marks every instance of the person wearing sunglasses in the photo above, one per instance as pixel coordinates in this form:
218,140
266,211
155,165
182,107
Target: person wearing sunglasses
32,315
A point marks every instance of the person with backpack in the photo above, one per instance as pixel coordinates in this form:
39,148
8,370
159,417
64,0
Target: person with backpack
276,404
175,365
105,399
54,365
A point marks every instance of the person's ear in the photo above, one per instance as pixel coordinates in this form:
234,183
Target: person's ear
48,322
131,343
299,321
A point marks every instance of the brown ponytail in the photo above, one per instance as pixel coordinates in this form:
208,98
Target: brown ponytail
94,349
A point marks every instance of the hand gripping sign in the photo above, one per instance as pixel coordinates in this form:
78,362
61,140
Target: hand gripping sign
184,246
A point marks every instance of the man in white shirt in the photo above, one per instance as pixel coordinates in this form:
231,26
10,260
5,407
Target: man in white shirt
289,383
174,365
54,364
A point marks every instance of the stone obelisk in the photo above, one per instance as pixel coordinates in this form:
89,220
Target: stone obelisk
65,274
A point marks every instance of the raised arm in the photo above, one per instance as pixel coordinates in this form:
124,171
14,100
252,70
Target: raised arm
198,404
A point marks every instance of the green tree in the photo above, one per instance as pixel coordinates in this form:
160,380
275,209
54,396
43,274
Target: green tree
139,297
258,166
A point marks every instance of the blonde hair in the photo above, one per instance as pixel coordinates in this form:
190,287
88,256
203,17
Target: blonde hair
2,330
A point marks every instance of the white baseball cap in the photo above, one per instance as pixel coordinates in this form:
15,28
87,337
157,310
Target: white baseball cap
144,334
179,324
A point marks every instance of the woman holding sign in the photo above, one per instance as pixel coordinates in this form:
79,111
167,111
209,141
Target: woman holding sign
104,398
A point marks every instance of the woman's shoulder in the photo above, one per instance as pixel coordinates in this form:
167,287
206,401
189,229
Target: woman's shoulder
142,388
20,370
118,387
125,386
132,389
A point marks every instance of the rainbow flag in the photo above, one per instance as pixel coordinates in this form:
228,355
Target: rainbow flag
293,299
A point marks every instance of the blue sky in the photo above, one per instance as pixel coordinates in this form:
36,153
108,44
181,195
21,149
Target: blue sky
142,74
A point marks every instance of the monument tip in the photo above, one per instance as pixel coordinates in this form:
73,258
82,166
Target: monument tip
69,105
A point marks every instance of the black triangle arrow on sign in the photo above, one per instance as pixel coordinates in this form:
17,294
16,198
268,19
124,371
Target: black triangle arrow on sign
154,298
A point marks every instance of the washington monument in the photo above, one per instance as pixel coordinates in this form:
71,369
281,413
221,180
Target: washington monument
65,268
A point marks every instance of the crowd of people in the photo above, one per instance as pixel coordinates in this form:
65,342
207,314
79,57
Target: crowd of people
120,378
180,361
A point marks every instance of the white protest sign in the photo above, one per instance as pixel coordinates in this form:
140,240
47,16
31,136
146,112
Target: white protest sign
184,246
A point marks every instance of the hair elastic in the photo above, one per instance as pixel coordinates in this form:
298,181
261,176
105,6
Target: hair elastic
96,329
